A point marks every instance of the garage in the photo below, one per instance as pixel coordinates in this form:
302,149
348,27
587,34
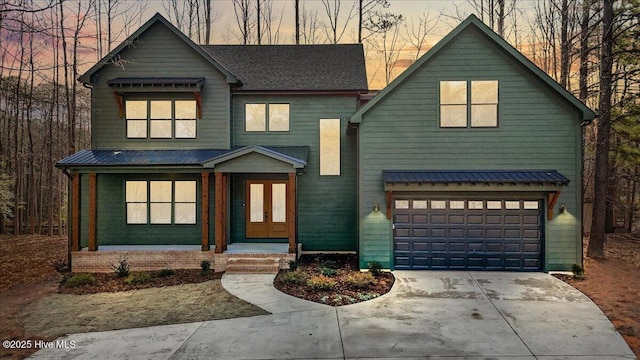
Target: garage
467,234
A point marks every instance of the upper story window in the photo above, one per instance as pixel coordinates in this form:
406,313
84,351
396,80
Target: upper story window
329,146
161,119
468,104
260,117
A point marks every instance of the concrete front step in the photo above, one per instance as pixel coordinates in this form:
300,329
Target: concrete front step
246,265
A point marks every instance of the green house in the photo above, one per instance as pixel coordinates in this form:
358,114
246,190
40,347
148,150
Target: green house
251,155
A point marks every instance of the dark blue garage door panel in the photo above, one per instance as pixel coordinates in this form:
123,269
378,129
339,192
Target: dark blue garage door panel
467,234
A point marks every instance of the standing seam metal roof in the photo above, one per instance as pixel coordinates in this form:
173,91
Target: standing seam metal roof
474,176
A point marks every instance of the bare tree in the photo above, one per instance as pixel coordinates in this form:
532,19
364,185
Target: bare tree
310,25
243,13
335,30
390,43
272,22
416,32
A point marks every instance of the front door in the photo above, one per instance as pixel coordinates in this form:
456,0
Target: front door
266,204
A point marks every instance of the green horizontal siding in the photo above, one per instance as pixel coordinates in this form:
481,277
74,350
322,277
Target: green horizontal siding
327,216
160,53
537,130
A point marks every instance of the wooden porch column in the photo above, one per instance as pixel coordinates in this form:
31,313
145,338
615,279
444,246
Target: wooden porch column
93,202
75,212
291,212
225,181
220,212
205,211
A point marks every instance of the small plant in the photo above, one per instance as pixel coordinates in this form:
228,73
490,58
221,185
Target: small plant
293,277
327,271
137,278
293,265
329,264
321,282
367,296
360,280
375,268
122,268
80,279
59,264
166,272
578,271
340,298
205,267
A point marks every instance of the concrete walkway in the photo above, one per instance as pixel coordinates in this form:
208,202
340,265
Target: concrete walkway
472,315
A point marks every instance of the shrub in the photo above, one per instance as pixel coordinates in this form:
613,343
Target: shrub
329,264
80,279
166,272
59,264
293,265
205,266
375,268
327,271
360,280
367,296
122,268
321,282
293,277
578,271
137,278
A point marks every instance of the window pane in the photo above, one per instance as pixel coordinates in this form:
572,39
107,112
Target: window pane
419,204
484,92
136,213
136,109
329,146
438,204
512,205
161,109
456,205
453,92
484,115
453,116
494,205
161,213
255,117
136,191
476,204
185,109
185,129
256,196
160,191
185,213
279,203
278,117
160,128
185,191
136,128
531,205
402,204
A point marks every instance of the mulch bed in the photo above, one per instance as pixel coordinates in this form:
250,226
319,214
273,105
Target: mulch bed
108,282
343,293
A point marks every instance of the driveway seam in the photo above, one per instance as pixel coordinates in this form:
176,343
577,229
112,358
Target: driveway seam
502,315
173,355
344,355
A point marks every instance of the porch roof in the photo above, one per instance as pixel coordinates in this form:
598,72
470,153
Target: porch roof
474,176
296,156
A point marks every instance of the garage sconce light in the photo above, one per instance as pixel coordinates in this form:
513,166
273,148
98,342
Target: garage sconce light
563,209
376,207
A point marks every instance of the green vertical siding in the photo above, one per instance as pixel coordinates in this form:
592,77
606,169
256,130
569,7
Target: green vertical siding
327,217
160,53
537,131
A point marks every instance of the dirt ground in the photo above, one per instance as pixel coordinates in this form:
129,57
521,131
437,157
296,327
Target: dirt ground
32,308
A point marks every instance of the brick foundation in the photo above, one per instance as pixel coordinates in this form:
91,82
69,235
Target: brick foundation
101,261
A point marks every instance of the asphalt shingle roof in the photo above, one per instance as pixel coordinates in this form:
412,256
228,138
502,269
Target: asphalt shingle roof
336,67
474,176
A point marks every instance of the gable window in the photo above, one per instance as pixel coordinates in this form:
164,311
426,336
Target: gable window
256,116
161,202
161,119
468,104
329,146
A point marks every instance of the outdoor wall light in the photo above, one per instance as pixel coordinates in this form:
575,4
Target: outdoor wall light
563,209
376,207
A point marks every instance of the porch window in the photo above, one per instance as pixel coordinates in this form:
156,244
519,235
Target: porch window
329,146
256,116
161,119
466,104
161,202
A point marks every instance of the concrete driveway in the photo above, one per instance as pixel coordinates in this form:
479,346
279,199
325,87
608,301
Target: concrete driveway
427,315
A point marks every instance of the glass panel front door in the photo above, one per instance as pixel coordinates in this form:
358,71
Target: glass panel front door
266,213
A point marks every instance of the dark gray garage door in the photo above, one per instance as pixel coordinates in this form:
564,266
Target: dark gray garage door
467,234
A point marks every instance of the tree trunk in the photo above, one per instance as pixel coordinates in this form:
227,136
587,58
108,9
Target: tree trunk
596,239
584,50
564,44
297,6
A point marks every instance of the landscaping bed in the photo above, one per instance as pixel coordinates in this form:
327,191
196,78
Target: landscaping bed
333,280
